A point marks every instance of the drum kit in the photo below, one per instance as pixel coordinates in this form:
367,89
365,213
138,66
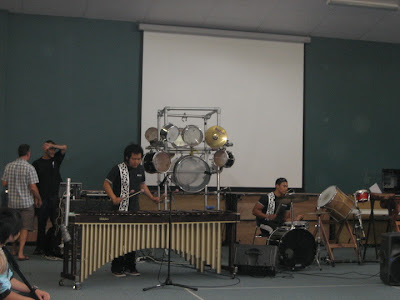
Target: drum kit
189,172
298,248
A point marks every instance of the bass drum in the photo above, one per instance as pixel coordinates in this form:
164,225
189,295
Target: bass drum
297,247
156,162
191,173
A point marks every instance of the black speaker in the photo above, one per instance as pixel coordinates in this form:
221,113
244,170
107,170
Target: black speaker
390,258
256,260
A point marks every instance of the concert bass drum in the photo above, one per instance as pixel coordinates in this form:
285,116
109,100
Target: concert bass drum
297,247
337,202
191,173
156,162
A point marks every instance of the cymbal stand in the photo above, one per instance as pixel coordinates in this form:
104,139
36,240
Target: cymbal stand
318,253
168,280
360,235
291,213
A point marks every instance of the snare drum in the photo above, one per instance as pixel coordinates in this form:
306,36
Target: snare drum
336,202
297,247
362,196
296,224
191,173
156,162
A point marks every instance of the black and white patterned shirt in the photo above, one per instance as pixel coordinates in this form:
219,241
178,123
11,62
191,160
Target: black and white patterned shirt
19,174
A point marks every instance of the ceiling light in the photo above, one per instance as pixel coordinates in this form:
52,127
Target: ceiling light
377,4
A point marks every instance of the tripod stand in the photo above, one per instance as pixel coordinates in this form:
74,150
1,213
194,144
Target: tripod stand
168,280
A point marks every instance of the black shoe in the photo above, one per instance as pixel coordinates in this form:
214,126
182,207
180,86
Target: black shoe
132,272
119,274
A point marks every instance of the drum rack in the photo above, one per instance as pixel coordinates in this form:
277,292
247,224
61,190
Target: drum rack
202,150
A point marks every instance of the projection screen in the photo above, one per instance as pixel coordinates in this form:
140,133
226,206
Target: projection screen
257,84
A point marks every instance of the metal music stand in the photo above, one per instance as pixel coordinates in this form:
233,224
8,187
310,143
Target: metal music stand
168,280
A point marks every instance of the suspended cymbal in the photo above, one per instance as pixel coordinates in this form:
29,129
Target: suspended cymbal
216,137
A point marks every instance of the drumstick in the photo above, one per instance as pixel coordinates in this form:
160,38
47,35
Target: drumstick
133,194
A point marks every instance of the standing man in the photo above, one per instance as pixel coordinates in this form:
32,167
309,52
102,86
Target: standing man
123,179
48,170
269,212
20,177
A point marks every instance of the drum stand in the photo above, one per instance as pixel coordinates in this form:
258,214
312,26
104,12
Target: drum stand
329,246
168,280
318,253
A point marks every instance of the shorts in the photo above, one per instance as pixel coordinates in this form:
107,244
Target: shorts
27,215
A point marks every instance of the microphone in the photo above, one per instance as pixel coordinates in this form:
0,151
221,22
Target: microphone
65,234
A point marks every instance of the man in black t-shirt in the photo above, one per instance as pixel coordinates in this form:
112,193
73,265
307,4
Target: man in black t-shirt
123,179
269,211
48,170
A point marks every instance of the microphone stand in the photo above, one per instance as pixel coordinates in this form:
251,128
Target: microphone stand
168,280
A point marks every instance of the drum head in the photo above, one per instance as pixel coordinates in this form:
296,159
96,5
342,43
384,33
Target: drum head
156,162
151,134
192,135
169,133
179,142
296,246
162,161
221,158
327,195
191,174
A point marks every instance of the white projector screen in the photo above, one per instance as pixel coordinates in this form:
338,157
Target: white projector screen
257,84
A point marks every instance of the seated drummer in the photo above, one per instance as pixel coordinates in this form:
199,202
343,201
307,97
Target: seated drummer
269,212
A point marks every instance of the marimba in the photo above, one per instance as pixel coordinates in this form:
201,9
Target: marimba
98,238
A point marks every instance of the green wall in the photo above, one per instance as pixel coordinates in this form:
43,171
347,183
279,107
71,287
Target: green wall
352,101
77,81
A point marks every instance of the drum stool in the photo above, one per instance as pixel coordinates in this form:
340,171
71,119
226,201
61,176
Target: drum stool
258,234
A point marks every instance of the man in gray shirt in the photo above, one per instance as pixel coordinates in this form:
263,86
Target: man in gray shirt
20,177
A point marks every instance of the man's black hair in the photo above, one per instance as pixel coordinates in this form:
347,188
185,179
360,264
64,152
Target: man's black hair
10,223
132,148
23,150
280,180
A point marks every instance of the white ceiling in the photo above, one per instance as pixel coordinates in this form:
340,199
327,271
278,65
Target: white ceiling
294,17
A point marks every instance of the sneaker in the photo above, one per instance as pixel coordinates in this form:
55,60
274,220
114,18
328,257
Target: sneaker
132,272
49,257
119,274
